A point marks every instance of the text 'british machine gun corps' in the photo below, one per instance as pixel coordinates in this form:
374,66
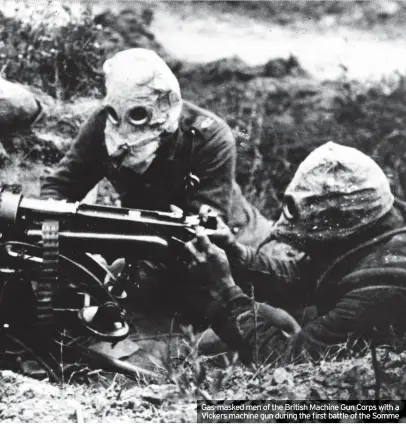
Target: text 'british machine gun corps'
51,283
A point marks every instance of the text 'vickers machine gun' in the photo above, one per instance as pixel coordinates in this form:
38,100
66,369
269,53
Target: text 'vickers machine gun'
50,284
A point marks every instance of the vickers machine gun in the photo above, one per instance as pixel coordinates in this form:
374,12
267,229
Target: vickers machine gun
52,287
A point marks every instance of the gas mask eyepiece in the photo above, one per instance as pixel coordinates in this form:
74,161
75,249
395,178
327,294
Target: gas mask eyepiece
290,209
112,116
138,115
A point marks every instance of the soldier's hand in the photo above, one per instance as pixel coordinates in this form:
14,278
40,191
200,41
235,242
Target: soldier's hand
222,236
281,319
208,261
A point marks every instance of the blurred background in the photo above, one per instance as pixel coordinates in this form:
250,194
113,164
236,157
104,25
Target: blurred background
287,76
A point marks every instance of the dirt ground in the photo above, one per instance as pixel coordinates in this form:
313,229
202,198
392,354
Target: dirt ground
118,400
286,78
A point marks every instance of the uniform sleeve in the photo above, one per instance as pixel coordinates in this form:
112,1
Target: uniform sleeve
256,330
82,167
214,163
287,283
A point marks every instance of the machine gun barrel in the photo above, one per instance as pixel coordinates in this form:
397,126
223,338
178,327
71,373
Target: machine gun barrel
96,227
23,212
16,209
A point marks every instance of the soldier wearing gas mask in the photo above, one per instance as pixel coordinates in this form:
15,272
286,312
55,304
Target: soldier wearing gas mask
148,142
338,210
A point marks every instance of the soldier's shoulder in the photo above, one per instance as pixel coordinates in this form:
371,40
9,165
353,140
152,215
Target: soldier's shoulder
387,254
92,129
98,116
202,120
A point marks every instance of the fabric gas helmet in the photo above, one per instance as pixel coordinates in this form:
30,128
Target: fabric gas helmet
336,192
143,103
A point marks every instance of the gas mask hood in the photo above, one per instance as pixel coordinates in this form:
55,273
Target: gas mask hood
143,102
336,192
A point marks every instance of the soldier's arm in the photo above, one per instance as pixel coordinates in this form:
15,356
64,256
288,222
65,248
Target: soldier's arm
286,282
260,332
264,261
360,315
257,331
214,163
240,322
82,167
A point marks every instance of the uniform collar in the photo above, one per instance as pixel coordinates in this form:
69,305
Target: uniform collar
175,140
170,145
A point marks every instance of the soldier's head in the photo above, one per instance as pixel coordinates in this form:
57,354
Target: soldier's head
143,103
337,192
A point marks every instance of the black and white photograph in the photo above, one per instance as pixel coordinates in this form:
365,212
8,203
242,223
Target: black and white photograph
202,211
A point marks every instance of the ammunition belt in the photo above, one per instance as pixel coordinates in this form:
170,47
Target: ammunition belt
48,275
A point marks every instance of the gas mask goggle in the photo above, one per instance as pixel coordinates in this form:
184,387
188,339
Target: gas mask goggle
142,109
